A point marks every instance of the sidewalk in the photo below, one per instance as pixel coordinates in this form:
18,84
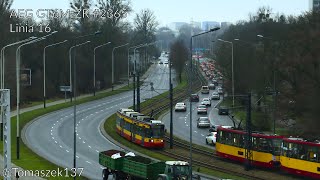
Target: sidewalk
14,113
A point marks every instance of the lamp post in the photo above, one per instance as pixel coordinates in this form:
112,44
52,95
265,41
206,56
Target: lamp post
18,57
134,74
2,69
113,61
75,100
189,91
129,59
138,77
70,70
231,68
274,88
44,70
94,66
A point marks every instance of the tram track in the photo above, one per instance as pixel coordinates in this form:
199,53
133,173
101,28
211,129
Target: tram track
202,157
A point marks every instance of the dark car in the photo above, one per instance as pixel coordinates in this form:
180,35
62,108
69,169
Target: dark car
212,87
194,98
223,110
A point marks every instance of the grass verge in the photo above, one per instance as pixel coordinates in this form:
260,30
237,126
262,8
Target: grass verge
30,160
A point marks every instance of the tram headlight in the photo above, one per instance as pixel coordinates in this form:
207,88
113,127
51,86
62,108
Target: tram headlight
151,140
161,140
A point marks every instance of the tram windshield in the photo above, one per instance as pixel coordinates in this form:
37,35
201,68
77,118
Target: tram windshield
156,131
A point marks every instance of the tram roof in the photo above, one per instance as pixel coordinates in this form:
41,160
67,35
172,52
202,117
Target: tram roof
301,141
254,134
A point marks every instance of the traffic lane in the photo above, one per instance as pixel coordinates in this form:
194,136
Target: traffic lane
65,138
181,122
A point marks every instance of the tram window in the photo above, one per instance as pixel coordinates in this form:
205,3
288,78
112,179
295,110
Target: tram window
261,144
229,138
236,140
127,125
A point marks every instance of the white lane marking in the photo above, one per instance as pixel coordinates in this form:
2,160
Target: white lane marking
83,142
56,142
102,167
187,125
89,146
52,137
77,156
51,130
60,146
54,124
195,131
67,150
202,135
97,151
88,162
80,138
57,121
51,133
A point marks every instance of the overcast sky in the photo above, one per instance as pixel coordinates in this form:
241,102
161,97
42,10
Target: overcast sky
167,11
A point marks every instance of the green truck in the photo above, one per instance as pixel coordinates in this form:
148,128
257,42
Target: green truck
138,167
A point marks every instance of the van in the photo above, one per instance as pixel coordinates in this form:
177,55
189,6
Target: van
205,90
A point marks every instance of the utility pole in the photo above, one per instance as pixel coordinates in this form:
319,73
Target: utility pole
138,91
134,87
171,108
248,139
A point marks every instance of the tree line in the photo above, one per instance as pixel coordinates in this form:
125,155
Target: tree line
273,51
114,28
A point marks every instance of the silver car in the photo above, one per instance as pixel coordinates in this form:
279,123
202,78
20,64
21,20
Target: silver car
202,109
215,96
203,122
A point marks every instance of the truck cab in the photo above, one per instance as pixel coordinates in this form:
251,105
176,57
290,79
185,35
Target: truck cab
175,170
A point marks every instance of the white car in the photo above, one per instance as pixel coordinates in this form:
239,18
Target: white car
206,101
180,106
211,138
220,90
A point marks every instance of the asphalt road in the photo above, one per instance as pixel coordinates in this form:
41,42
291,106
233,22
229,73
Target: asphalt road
181,120
51,136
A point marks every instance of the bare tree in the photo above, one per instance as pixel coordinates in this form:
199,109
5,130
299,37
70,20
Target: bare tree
115,10
178,56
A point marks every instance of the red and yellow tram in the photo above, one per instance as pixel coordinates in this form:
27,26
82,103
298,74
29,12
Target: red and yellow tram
265,148
143,131
300,157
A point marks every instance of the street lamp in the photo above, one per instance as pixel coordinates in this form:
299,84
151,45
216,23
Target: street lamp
134,74
44,70
129,59
2,69
138,78
94,66
113,61
70,70
189,91
75,99
231,68
18,57
274,88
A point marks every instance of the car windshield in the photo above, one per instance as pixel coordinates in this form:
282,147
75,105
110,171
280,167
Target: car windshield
180,104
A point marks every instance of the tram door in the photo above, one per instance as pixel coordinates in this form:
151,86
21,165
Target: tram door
143,134
133,132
